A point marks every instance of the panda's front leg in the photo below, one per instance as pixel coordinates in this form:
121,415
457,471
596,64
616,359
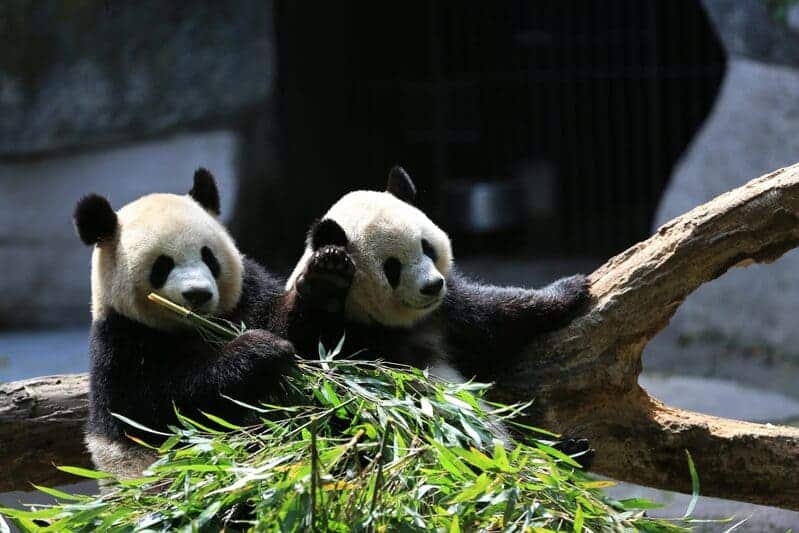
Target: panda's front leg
507,318
327,278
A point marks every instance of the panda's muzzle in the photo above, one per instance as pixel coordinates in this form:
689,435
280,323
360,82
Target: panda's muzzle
197,297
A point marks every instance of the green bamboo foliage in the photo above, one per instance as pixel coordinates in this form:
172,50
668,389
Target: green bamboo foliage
368,446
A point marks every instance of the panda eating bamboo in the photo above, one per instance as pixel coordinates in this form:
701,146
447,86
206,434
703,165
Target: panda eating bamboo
144,361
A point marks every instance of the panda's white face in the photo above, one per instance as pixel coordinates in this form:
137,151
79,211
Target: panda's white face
170,245
401,258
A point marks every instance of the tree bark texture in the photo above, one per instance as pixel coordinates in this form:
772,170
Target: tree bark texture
41,425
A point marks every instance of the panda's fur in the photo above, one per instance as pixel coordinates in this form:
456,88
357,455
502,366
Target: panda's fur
144,361
463,328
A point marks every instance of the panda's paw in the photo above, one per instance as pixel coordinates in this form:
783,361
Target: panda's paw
573,291
266,353
578,449
331,267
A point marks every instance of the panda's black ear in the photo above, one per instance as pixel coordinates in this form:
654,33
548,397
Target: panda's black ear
325,233
400,185
204,191
94,219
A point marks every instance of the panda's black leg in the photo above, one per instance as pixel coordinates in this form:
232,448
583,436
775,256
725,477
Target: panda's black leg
327,278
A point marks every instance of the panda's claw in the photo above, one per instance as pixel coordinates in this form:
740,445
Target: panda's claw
331,265
327,278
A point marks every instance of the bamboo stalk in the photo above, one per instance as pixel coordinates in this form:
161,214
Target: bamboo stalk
194,318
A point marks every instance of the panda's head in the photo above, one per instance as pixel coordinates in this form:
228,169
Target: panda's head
169,244
401,257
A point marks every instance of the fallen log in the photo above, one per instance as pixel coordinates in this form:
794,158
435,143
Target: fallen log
584,378
41,425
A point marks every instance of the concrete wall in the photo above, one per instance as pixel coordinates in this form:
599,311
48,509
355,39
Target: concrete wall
45,268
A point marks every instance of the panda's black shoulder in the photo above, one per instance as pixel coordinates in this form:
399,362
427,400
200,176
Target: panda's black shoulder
258,282
113,334
260,291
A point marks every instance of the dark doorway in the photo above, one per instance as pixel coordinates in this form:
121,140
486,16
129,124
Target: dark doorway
572,114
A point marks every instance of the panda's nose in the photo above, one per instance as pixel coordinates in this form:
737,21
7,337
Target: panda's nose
197,297
432,288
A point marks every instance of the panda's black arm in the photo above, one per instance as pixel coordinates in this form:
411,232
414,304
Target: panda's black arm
488,307
249,368
504,319
144,374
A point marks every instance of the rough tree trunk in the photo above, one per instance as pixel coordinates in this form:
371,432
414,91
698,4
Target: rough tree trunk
583,377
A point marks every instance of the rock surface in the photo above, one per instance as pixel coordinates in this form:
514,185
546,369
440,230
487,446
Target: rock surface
750,29
743,324
78,74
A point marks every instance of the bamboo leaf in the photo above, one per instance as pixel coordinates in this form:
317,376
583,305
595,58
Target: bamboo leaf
221,421
62,495
84,472
694,485
578,519
142,427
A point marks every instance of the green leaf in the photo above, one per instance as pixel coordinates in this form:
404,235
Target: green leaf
169,444
426,406
246,405
455,526
338,348
137,481
457,402
38,514
473,434
475,457
190,424
199,467
578,519
450,463
472,492
557,454
640,503
140,442
501,457
694,485
135,424
221,421
84,472
207,514
62,495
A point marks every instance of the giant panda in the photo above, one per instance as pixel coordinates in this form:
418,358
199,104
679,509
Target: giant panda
384,273
144,361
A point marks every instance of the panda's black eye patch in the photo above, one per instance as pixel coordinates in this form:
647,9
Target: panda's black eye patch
210,260
160,271
428,250
392,268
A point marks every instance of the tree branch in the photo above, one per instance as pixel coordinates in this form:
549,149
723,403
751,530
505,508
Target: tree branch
41,425
584,378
